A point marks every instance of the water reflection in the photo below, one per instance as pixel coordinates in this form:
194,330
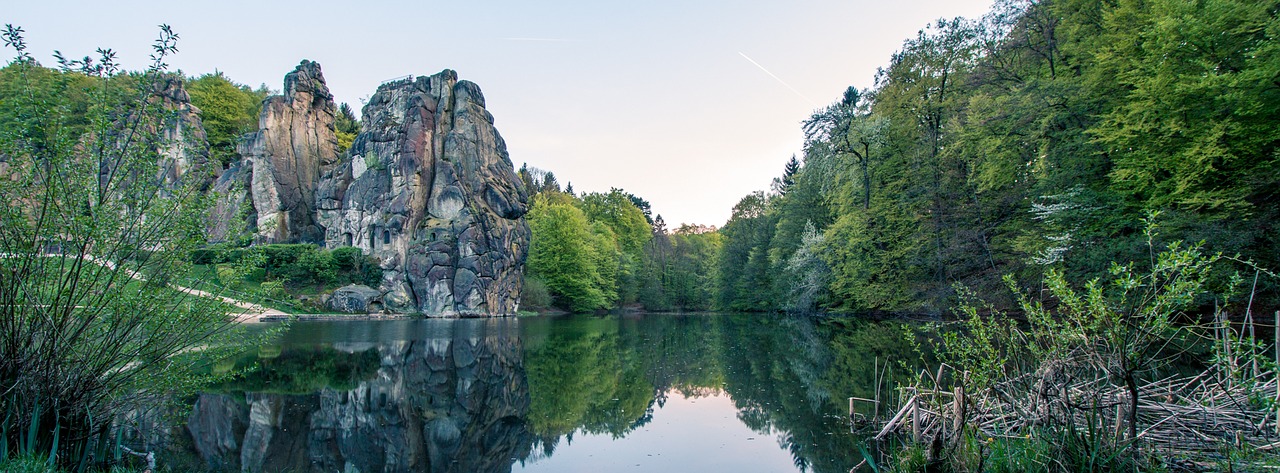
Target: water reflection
545,394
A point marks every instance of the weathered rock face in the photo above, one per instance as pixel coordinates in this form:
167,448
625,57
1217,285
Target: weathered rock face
294,145
355,299
184,146
232,212
428,188
217,424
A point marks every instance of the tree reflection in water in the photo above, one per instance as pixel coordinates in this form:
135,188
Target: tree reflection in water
484,395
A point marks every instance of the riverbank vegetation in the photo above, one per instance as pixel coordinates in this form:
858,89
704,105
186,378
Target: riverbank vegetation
1115,374
598,251
102,208
294,278
1035,138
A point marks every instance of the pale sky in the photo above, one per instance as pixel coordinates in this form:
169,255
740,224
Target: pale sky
690,104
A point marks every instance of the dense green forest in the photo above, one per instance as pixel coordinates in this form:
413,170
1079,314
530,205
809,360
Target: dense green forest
1037,137
1040,136
598,251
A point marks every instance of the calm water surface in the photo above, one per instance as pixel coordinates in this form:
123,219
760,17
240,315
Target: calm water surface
706,393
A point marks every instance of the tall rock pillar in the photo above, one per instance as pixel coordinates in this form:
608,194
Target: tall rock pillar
295,144
429,190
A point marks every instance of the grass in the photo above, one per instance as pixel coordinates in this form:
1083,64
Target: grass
35,464
255,288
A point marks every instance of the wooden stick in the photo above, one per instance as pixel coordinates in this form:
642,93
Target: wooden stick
915,421
892,424
1276,332
1248,317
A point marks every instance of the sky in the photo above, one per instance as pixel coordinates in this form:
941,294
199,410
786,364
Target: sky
689,104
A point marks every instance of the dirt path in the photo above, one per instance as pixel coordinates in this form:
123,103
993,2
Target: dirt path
252,312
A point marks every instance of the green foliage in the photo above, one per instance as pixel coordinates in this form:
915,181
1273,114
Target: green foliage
1037,137
227,110
1087,340
620,214
679,270
346,127
353,266
570,255
345,121
591,252
745,270
89,327
627,230
314,266
1196,127
345,140
290,266
536,295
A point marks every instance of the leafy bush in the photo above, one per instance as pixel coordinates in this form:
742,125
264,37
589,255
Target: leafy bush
312,266
206,256
347,258
535,295
293,264
273,290
278,257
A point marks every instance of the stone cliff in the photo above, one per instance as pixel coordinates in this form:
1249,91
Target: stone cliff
183,145
295,144
428,188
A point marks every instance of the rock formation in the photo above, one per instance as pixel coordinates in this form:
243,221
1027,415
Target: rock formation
428,188
232,214
183,143
295,144
355,299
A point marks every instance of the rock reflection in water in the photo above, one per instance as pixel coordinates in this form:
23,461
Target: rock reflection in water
451,398
512,394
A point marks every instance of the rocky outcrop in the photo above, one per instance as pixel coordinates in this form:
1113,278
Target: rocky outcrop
294,145
429,190
184,146
356,299
232,214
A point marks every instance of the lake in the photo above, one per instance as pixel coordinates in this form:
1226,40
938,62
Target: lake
706,393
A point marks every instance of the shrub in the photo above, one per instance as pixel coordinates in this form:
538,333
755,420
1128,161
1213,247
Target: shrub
348,258
312,266
83,338
536,295
206,256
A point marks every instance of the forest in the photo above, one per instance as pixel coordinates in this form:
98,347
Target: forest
1040,136
1104,173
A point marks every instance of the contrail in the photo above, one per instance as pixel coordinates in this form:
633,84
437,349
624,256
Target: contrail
550,40
779,79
